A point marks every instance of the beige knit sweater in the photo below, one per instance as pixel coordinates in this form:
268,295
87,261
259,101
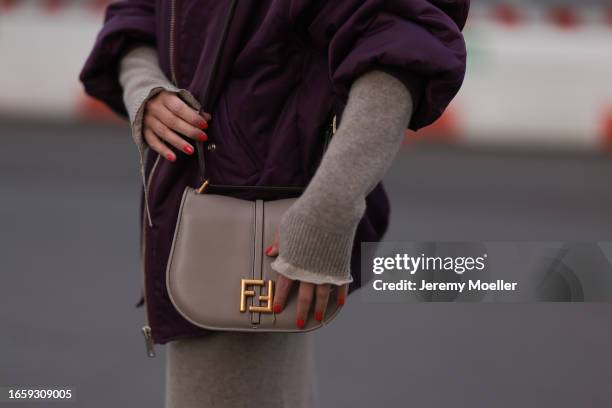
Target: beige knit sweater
317,232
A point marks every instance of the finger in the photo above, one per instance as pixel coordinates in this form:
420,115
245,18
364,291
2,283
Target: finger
167,134
177,124
207,116
305,294
176,105
157,145
272,250
281,292
321,299
342,294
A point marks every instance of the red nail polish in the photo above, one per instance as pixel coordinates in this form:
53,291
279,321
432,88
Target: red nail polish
170,157
300,323
202,137
319,316
277,308
203,125
188,149
341,301
268,250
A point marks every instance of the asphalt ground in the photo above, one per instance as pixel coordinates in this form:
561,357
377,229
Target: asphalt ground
70,277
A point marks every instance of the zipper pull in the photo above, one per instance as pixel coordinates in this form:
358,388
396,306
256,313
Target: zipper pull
146,332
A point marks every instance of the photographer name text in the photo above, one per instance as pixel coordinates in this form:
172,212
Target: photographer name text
414,264
409,285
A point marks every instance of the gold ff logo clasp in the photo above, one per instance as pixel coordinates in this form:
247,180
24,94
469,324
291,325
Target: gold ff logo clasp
244,293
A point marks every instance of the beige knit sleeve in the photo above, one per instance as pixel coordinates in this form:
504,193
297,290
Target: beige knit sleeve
141,78
318,230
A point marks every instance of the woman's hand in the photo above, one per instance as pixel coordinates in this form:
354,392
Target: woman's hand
307,292
166,117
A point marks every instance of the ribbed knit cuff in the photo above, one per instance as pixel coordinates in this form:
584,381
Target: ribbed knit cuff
311,254
283,267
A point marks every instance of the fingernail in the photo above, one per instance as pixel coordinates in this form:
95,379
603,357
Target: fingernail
277,308
203,124
341,301
269,250
319,316
202,137
170,157
188,149
300,323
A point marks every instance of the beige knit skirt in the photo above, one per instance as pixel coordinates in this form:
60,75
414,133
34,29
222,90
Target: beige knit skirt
226,369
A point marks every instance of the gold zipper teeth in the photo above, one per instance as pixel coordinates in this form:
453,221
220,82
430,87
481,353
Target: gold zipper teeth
172,40
146,329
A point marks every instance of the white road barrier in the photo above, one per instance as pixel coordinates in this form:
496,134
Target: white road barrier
537,77
538,80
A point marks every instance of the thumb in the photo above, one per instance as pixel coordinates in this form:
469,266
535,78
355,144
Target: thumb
272,250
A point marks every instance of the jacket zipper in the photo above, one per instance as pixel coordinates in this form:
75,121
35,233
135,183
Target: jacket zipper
172,46
146,332
146,329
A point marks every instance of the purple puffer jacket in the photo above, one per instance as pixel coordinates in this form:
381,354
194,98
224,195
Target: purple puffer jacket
286,66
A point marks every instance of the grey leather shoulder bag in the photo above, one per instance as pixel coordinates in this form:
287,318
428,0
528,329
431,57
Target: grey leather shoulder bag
218,276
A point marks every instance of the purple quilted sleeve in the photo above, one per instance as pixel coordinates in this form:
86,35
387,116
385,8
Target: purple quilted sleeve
126,24
418,41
